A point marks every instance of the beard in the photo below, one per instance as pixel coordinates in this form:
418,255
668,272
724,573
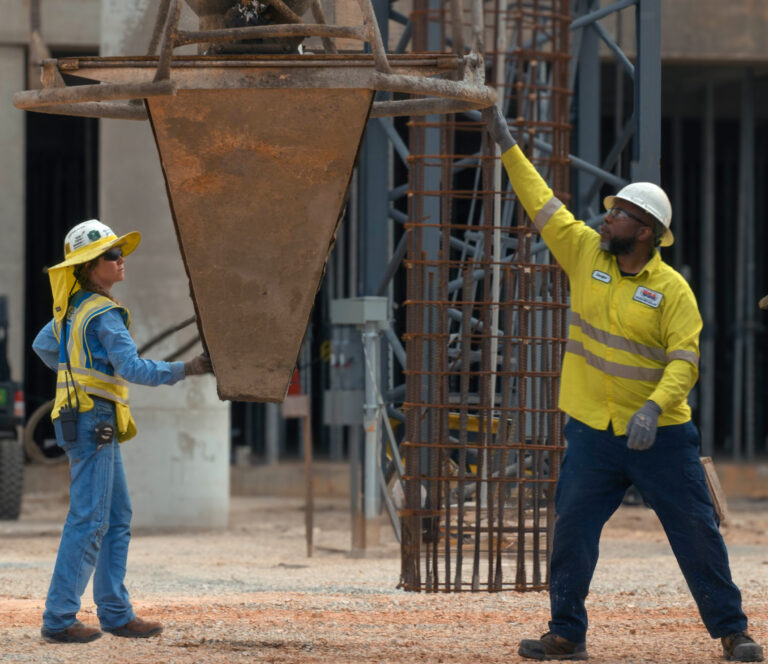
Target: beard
619,246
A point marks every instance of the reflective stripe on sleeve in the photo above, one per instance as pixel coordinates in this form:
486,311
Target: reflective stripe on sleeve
613,368
617,342
546,212
687,355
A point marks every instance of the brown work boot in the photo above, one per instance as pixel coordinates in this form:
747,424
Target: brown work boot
741,647
137,629
552,646
75,633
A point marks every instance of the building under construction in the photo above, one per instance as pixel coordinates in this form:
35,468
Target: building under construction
460,379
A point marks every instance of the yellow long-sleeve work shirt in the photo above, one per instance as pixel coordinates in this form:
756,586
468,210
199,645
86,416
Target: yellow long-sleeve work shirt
631,338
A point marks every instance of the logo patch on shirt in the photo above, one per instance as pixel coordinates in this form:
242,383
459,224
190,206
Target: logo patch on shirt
648,296
601,276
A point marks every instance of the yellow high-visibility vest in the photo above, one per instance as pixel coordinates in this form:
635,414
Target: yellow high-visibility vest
88,381
630,338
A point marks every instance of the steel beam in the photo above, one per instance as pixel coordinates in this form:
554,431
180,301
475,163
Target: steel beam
647,144
597,14
588,113
744,342
708,277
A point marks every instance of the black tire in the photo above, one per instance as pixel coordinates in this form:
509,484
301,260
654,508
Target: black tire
34,453
11,478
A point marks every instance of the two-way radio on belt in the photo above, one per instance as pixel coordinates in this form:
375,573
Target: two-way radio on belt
68,414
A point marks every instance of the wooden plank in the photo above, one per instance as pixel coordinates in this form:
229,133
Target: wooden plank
715,490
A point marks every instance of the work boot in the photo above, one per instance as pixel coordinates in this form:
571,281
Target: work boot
75,633
137,629
552,646
740,647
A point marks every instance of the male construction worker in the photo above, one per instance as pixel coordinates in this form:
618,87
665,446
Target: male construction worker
631,359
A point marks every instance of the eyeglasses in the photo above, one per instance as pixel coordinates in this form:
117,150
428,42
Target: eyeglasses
616,212
112,254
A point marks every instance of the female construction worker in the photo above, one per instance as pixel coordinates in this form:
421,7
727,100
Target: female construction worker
88,344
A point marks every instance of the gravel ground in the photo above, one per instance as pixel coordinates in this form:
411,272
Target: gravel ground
250,594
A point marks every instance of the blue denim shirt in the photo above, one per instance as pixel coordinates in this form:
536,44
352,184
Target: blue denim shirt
111,345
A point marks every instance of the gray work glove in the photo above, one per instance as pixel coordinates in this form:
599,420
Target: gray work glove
198,365
497,127
641,430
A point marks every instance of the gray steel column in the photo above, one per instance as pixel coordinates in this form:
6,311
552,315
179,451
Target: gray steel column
432,175
647,144
373,179
707,279
588,113
618,123
430,237
374,239
371,502
677,179
12,70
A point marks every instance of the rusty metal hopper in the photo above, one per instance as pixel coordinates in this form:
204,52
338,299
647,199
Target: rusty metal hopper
257,152
257,179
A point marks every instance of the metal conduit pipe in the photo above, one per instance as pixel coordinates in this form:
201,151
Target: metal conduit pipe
396,346
600,13
396,393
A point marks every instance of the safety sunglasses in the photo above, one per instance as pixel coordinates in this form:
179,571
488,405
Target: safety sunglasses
112,254
616,212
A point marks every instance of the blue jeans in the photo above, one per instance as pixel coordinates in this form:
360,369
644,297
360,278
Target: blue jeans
596,471
97,531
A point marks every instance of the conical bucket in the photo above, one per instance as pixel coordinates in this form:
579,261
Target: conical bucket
257,180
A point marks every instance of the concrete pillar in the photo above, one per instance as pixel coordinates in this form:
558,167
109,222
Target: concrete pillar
178,465
12,72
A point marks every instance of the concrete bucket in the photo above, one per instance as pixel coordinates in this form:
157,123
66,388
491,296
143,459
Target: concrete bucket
257,151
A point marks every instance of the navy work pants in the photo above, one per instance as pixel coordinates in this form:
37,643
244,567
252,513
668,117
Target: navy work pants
596,471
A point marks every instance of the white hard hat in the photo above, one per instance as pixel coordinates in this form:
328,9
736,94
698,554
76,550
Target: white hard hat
89,239
651,198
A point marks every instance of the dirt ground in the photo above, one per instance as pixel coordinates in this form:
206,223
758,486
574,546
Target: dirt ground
250,594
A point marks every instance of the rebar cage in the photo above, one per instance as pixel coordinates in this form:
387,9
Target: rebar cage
486,319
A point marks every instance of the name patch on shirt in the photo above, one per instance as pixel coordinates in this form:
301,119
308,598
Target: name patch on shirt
648,296
601,276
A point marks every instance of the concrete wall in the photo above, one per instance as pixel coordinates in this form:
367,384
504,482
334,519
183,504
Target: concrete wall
699,31
12,74
178,465
65,23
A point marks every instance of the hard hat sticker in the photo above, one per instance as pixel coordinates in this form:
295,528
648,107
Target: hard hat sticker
648,296
77,241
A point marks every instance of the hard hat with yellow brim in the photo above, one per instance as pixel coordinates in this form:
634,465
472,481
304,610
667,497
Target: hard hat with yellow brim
85,242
